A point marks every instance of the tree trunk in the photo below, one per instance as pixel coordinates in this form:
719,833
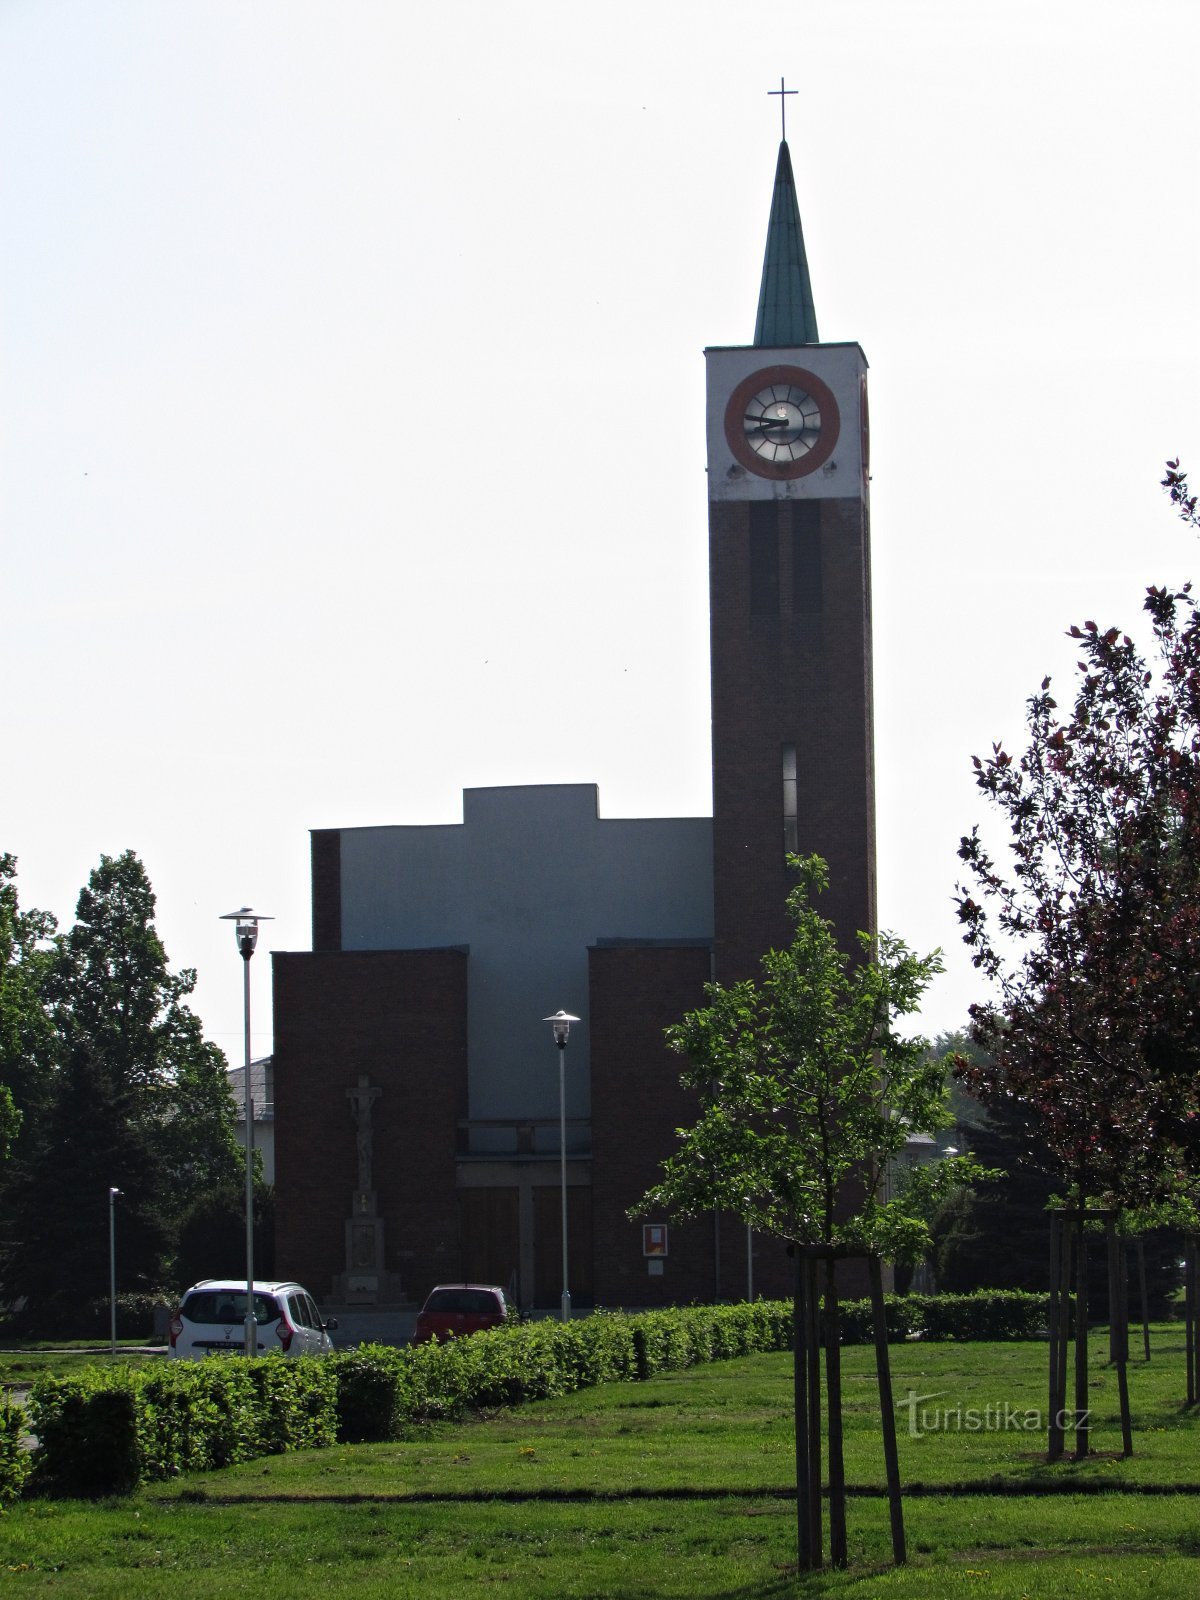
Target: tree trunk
814,1407
1189,1316
1054,1442
1143,1296
801,1325
1118,1332
1082,1420
887,1412
833,1385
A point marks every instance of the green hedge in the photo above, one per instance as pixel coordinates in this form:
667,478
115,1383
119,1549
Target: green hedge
987,1314
105,1430
14,1461
991,1314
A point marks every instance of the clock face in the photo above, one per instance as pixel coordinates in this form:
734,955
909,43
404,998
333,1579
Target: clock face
782,422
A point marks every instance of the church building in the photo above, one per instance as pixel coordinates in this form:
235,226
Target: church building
417,1111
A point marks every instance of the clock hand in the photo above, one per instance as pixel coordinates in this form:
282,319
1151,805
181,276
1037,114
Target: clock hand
771,422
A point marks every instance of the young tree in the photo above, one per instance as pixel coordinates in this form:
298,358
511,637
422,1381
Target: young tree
140,1101
1091,931
807,1093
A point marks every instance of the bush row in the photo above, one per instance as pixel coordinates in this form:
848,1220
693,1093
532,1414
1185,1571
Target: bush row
105,1430
992,1314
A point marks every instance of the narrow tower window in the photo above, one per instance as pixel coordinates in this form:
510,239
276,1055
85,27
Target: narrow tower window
791,834
806,557
764,559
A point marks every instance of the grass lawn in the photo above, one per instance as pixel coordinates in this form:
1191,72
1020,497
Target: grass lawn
676,1487
21,1365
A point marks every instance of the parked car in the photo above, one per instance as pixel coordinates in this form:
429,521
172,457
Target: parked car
453,1309
211,1318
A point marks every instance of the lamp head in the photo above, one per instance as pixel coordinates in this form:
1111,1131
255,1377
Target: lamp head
561,1022
246,928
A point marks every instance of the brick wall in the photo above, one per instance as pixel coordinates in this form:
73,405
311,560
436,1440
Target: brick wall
326,851
637,1104
799,677
400,1017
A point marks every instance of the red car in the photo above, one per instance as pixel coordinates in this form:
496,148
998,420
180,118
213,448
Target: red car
453,1309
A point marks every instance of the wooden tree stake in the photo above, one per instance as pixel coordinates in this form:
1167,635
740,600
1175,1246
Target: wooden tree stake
887,1412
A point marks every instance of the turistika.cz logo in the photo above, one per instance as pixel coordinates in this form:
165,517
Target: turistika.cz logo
999,1416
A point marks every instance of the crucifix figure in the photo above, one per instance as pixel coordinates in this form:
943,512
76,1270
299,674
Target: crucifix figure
361,1098
783,94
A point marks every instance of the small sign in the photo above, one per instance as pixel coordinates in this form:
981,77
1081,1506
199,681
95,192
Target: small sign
654,1238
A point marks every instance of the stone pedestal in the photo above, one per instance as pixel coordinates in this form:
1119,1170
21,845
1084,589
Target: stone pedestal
365,1281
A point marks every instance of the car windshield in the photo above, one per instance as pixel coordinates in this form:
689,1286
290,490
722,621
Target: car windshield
228,1306
469,1302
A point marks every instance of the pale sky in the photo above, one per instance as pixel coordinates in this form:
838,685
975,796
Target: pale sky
352,446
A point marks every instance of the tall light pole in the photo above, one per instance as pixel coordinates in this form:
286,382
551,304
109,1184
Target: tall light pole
246,932
561,1022
112,1267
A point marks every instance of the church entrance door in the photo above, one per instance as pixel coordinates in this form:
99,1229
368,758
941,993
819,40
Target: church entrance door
489,1228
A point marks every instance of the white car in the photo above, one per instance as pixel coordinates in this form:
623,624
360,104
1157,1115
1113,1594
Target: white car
211,1316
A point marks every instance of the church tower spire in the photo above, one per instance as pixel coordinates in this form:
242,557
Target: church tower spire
789,613
785,302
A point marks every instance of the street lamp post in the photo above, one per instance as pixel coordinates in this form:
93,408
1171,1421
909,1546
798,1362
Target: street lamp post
112,1268
246,932
561,1022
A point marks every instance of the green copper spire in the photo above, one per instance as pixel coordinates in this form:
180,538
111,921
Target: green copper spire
785,303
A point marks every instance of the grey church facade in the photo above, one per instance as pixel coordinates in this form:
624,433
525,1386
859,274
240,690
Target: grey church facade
416,1085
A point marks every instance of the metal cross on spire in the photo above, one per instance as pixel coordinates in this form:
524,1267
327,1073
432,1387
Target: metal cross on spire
782,93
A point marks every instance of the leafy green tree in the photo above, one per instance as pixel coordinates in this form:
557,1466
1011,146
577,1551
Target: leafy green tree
59,1256
808,1093
10,1122
27,1040
212,1234
140,1102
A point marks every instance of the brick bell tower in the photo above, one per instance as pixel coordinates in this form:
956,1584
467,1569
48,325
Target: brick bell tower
790,601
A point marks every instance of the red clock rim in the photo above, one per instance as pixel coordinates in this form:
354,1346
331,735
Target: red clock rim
831,422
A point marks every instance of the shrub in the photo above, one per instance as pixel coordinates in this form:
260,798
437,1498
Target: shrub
14,1458
105,1430
295,1403
86,1426
373,1390
986,1314
997,1314
196,1417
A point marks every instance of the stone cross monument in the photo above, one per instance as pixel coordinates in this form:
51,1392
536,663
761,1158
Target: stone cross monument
365,1280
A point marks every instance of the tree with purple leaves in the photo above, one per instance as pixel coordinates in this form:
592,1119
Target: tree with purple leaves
1090,932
